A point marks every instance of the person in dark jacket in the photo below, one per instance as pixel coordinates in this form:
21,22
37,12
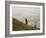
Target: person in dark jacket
26,20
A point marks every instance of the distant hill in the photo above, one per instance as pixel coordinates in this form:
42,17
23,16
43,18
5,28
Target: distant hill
18,25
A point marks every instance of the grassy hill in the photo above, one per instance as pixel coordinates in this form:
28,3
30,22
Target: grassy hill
18,25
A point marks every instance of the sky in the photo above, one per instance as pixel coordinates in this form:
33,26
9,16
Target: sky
31,13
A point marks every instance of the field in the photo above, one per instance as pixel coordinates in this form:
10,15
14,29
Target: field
19,26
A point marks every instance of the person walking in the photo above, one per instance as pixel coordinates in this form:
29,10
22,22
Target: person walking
26,20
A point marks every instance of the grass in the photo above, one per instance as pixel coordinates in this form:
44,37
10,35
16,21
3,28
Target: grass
18,25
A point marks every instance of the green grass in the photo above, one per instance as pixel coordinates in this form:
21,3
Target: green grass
18,25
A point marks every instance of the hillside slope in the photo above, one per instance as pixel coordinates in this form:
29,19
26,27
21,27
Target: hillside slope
17,25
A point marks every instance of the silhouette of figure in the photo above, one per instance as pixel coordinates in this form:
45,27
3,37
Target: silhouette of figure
26,21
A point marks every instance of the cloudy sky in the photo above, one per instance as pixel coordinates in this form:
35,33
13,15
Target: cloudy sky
25,12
